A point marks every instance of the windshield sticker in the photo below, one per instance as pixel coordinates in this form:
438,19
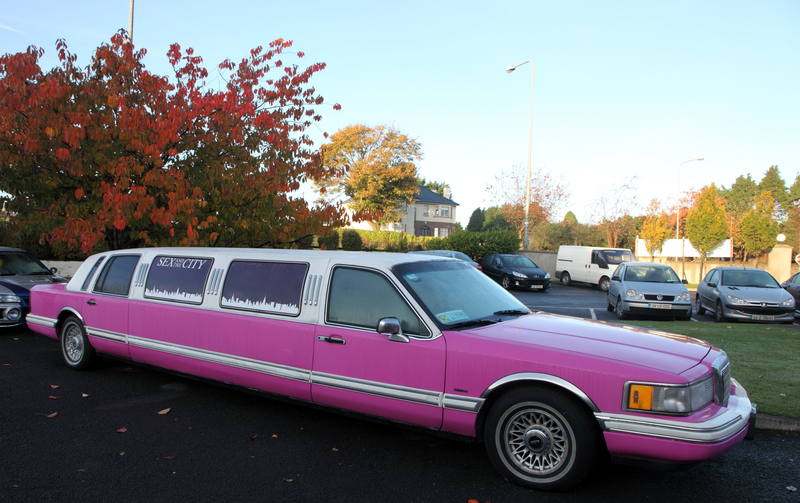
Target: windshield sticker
411,277
452,316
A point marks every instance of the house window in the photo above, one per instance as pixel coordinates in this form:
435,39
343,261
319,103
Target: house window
424,231
443,233
425,211
445,211
437,211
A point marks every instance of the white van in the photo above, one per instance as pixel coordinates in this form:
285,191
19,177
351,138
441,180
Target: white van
590,264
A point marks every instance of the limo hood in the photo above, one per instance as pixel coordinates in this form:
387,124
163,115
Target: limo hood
598,339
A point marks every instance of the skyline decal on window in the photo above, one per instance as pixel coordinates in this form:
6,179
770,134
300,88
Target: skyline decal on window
179,279
264,286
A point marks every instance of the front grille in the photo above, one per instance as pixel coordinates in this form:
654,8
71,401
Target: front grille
722,379
665,298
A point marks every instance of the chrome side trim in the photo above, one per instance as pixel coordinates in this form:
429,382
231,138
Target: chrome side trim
414,395
107,334
213,282
316,295
140,277
462,403
41,321
537,377
222,359
717,429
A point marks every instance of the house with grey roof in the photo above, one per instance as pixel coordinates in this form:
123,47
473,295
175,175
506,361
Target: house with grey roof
429,215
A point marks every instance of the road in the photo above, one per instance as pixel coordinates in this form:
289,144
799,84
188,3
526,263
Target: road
98,436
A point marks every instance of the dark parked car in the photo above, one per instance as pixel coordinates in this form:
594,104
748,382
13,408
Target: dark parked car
515,271
744,293
792,285
19,272
451,254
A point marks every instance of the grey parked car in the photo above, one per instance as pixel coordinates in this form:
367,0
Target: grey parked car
19,272
650,289
744,293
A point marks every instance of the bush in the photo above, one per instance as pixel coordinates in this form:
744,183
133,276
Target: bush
329,242
351,240
305,242
477,245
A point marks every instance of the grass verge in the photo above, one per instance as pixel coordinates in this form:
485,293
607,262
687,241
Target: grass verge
765,359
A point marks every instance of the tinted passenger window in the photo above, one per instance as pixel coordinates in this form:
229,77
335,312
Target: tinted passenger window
361,298
178,279
713,277
272,287
117,274
91,273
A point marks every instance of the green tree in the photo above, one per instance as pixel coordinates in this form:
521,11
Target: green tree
494,219
739,202
655,228
433,186
758,228
706,223
476,221
773,183
376,169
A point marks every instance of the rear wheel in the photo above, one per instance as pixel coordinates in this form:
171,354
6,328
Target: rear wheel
565,279
541,438
76,350
700,309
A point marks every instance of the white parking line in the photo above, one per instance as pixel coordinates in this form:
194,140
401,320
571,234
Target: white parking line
594,316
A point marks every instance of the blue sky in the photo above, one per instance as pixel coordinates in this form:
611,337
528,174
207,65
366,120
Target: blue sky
621,88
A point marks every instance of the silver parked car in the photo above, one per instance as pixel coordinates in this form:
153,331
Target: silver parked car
744,293
650,289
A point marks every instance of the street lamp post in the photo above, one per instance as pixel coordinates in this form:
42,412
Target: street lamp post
530,146
678,216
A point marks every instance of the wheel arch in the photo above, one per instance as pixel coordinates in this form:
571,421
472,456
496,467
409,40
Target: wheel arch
62,317
508,383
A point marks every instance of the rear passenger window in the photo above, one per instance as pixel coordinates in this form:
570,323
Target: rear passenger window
179,279
117,274
271,287
362,298
91,273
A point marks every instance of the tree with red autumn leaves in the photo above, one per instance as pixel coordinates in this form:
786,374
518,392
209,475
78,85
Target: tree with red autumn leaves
114,156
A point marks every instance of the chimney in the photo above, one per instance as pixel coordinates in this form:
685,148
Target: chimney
446,191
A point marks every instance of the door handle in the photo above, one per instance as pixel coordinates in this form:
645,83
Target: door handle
91,302
331,339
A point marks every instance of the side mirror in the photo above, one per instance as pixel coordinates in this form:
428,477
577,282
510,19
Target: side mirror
711,285
614,278
391,327
685,281
53,270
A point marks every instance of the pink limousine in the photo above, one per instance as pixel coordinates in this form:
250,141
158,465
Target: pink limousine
414,339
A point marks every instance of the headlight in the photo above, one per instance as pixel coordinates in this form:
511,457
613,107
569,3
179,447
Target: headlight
547,275
518,274
788,302
9,298
686,297
670,399
735,300
631,294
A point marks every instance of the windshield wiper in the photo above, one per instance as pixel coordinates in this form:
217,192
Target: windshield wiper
473,323
512,311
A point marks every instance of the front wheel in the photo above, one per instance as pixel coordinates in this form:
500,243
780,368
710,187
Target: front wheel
541,438
603,284
565,279
619,311
506,282
76,350
719,315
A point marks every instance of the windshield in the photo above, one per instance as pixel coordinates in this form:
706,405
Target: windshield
454,293
519,261
618,256
13,263
651,274
758,279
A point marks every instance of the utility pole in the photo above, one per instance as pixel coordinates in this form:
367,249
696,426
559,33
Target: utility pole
130,24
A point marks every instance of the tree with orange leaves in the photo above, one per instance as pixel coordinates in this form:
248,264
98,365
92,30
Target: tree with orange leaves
113,156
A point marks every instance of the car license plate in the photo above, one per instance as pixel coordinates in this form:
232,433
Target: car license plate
762,317
536,286
660,306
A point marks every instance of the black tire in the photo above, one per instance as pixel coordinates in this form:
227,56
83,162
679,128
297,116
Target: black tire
700,309
604,283
618,310
541,438
719,316
688,316
565,279
76,350
505,282
609,307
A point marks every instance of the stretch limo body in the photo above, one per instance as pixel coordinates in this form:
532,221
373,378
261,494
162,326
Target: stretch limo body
414,339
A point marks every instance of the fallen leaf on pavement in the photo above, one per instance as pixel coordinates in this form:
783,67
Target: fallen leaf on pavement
55,386
254,437
274,436
122,430
51,397
122,453
335,449
791,488
84,395
6,364
162,412
169,457
288,480
131,368
50,416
